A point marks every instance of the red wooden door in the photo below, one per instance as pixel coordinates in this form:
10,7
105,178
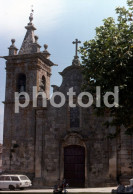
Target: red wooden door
74,166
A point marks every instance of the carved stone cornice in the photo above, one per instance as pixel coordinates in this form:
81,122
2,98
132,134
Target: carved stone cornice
25,57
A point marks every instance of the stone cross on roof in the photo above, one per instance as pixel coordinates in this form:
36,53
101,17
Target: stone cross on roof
76,61
76,42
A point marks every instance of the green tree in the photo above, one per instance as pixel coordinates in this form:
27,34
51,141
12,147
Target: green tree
107,61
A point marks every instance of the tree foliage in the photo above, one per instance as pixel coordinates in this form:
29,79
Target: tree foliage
107,61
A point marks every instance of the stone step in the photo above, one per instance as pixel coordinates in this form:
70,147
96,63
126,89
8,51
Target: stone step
125,180
111,182
38,182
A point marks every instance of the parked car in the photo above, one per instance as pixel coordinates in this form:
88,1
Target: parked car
14,181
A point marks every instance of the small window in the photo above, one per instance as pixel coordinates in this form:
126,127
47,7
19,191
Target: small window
14,178
21,83
2,178
74,117
24,178
7,178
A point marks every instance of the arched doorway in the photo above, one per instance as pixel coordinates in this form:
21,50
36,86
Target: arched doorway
74,165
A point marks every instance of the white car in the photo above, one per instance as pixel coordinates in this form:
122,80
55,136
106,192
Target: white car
14,181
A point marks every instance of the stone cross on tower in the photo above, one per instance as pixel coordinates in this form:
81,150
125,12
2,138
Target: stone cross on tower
76,42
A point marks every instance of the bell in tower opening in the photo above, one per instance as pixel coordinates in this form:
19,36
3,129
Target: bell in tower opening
21,83
43,84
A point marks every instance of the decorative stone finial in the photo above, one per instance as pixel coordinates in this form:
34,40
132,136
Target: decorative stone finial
45,52
35,46
31,14
45,46
13,41
36,39
12,49
31,17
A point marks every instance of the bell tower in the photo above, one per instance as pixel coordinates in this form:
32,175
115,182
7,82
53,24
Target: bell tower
24,69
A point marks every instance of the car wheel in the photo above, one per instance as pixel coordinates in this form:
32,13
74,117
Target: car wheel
11,187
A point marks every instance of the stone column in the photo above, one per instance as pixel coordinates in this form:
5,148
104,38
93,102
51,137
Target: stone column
113,159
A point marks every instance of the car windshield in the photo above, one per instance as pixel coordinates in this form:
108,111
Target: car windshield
24,178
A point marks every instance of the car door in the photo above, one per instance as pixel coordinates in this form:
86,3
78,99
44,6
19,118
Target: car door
7,182
15,181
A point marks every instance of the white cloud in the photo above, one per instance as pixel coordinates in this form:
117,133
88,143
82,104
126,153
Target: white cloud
14,14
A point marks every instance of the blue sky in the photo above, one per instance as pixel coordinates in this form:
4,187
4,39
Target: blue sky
58,23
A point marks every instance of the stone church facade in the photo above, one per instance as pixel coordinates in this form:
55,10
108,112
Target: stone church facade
48,143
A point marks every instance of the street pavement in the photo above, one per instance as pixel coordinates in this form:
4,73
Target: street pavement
84,190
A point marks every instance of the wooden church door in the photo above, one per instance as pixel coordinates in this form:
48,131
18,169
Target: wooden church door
74,165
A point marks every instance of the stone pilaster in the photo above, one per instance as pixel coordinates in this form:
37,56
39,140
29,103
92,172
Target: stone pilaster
39,145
